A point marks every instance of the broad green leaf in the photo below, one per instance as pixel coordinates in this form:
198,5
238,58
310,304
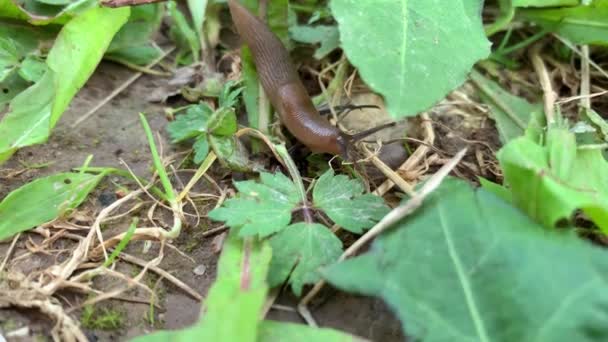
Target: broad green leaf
43,200
222,122
581,24
342,199
308,246
91,32
272,331
9,56
469,267
10,87
544,3
235,301
8,9
259,208
36,110
42,14
32,68
550,183
190,124
327,36
27,122
201,149
412,52
510,113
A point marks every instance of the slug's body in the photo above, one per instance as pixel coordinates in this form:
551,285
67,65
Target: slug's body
283,85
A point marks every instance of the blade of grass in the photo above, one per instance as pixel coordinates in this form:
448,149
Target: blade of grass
122,244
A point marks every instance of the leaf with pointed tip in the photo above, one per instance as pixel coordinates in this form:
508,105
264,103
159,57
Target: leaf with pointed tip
467,266
412,52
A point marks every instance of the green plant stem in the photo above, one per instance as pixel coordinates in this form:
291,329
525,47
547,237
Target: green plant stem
297,179
524,43
209,160
164,180
503,20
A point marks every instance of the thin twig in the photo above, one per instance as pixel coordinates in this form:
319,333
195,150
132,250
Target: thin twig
137,261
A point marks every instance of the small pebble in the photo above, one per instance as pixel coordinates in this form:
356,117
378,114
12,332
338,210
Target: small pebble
200,270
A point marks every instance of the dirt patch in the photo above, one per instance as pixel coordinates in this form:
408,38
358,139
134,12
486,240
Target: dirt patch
111,135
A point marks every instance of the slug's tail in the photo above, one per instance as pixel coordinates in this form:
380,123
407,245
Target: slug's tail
272,60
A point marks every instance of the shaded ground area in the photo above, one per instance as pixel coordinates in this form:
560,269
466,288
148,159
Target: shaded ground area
115,133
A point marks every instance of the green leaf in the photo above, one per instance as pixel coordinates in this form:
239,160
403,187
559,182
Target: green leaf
27,123
9,57
201,149
197,10
132,42
223,122
510,113
32,68
278,22
466,263
259,208
191,124
308,246
229,95
496,189
43,200
36,110
251,91
343,201
139,55
545,3
56,2
232,154
550,182
272,331
327,36
235,301
10,87
412,52
92,32
581,24
42,14
183,34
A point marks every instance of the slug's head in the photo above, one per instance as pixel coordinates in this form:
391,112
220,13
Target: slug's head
346,142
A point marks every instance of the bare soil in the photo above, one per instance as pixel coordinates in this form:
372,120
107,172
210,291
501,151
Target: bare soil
112,134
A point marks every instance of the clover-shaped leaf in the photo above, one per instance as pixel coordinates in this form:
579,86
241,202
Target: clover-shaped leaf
343,201
260,208
191,124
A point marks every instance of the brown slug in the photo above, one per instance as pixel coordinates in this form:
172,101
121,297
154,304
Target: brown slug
285,89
